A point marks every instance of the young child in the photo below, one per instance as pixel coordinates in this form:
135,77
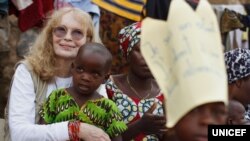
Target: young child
236,113
81,102
194,125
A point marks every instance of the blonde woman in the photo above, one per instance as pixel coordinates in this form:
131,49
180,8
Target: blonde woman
47,67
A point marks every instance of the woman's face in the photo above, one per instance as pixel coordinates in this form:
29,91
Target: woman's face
68,37
137,63
194,125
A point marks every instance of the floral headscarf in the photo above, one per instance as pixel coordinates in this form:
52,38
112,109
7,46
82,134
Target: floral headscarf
238,64
129,36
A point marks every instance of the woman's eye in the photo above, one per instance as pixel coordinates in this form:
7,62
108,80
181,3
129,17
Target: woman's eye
77,34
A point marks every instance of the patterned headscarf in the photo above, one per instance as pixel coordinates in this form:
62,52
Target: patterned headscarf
237,63
129,36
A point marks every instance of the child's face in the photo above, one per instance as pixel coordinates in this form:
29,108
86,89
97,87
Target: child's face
89,71
194,125
236,113
137,63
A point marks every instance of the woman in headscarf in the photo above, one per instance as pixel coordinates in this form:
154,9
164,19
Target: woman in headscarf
136,92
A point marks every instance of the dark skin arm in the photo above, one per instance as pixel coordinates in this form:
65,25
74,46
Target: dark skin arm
117,138
148,124
132,131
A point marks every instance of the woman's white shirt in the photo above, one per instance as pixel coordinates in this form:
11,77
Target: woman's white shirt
22,111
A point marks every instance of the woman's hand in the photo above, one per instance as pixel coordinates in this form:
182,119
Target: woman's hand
89,132
148,124
152,124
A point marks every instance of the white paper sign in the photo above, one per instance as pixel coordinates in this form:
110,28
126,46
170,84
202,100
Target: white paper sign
185,56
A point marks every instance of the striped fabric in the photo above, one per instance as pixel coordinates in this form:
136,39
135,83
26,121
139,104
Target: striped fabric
130,9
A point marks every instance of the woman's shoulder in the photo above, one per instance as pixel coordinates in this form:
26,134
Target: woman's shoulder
22,71
23,67
23,63
113,84
118,79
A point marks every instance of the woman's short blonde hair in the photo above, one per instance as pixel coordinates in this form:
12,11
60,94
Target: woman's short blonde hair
41,56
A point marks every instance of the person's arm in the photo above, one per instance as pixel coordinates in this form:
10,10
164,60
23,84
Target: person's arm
117,138
22,112
132,131
147,124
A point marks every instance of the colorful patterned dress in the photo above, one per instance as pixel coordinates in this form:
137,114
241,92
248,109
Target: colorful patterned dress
103,113
133,108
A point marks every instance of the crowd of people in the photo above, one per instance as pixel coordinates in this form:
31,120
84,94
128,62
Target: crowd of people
55,91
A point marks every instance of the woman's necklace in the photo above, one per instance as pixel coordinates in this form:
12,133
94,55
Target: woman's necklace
136,93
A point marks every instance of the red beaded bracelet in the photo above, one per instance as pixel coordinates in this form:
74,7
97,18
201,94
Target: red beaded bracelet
73,128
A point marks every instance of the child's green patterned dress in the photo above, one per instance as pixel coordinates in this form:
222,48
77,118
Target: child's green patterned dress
103,113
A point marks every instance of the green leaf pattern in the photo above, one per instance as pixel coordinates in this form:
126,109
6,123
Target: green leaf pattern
103,113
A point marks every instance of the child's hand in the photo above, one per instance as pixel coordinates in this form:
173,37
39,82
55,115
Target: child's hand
152,124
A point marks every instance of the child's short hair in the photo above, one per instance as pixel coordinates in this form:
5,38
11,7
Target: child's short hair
99,48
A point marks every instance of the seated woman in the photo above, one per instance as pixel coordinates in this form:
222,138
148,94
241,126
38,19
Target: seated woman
136,93
46,68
